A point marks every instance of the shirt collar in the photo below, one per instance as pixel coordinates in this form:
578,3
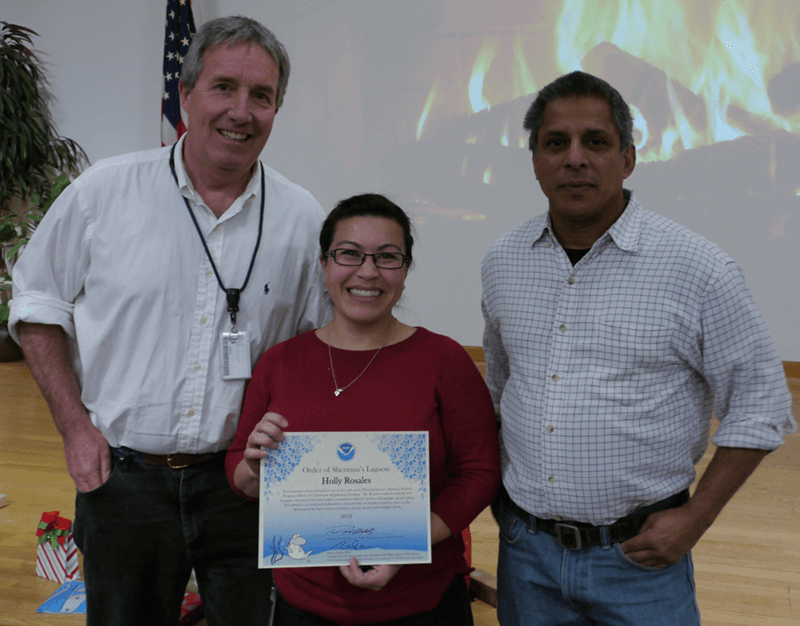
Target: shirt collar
624,232
189,192
541,227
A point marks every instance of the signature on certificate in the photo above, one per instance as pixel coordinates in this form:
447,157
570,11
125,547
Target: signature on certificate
352,531
349,529
350,544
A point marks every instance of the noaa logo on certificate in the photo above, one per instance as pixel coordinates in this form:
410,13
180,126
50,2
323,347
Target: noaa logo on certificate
346,451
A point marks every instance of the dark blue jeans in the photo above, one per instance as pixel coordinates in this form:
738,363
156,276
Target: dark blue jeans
453,610
143,531
540,583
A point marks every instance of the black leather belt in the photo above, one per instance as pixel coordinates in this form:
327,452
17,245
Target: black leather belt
576,535
173,461
179,461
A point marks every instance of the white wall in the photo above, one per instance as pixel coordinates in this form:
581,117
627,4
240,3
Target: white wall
363,71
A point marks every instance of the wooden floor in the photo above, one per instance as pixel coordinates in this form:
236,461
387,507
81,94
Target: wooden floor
747,566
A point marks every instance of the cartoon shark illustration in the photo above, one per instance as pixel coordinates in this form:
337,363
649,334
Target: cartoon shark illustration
295,549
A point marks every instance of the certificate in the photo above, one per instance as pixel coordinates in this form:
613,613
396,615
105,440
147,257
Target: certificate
326,497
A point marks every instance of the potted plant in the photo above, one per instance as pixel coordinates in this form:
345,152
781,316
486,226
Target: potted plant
35,162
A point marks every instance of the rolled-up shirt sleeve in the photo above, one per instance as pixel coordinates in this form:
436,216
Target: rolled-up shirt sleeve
740,362
51,271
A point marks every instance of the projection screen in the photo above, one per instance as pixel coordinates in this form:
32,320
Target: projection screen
423,100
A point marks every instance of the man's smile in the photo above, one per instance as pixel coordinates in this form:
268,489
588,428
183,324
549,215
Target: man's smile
229,134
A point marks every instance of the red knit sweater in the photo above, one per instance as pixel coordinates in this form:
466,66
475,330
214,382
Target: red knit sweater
426,382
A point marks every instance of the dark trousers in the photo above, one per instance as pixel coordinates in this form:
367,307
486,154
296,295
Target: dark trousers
453,610
143,531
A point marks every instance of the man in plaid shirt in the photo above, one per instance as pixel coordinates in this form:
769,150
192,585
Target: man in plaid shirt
611,335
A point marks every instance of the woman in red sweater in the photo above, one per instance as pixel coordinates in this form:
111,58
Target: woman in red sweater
367,371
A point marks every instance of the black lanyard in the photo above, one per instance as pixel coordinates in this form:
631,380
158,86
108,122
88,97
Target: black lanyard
232,295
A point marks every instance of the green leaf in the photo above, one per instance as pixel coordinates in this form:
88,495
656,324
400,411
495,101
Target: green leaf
16,248
31,151
7,232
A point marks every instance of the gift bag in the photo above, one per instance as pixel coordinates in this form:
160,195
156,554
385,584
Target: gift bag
191,609
56,554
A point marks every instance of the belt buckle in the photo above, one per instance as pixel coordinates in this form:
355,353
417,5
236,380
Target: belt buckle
172,465
562,530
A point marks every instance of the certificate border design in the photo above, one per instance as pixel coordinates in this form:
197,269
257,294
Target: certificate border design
409,453
278,464
393,528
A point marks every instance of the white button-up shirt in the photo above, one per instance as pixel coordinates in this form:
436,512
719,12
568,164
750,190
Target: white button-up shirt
605,374
119,265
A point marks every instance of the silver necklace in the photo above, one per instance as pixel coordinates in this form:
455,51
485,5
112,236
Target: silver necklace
339,389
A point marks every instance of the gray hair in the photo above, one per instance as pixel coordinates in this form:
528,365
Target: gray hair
580,84
231,30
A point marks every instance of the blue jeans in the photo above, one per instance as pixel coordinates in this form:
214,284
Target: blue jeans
540,583
143,531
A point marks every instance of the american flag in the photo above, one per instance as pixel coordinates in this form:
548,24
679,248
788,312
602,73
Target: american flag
177,37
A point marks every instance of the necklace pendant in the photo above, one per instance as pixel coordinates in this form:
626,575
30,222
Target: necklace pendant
338,389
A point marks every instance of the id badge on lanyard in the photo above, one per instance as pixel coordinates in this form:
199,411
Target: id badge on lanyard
235,351
235,345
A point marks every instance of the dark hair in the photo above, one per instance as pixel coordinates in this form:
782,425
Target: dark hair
231,30
580,84
365,205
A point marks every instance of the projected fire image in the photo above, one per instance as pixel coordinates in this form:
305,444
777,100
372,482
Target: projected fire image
715,96
430,111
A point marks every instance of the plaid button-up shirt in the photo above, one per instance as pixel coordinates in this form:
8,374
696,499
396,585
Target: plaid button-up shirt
605,374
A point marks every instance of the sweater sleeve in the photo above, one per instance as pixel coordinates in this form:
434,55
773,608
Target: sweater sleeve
470,433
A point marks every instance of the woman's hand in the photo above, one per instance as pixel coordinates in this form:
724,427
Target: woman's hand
268,433
375,578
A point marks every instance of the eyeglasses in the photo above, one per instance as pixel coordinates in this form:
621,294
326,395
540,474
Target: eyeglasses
384,260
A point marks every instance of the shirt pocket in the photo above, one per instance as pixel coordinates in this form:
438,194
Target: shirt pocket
633,361
639,343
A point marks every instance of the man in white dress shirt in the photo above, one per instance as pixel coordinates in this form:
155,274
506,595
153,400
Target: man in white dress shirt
143,300
611,334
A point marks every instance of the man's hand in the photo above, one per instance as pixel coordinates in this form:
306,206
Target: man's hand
665,538
667,535
47,352
375,578
88,458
